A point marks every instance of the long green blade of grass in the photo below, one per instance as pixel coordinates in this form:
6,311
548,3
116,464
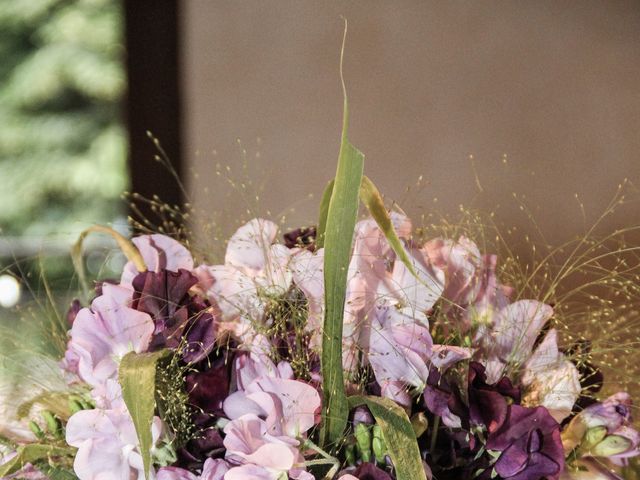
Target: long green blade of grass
342,214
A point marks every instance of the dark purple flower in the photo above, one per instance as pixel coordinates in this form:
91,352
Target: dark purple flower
207,443
208,389
304,237
444,399
489,404
180,319
530,445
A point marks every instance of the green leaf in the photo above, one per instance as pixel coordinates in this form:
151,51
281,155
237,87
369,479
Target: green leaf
137,375
128,249
32,453
342,214
56,473
372,199
399,436
324,212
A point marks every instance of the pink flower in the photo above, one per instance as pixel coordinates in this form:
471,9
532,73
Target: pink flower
307,269
256,472
375,278
247,440
107,444
105,333
399,351
509,343
268,417
550,379
462,264
255,269
289,407
472,292
159,252
213,469
252,366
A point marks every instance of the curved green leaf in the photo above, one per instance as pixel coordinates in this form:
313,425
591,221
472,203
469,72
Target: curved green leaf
137,376
128,249
398,434
372,199
32,453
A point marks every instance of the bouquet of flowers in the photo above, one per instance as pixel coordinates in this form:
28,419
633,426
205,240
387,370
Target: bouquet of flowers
350,350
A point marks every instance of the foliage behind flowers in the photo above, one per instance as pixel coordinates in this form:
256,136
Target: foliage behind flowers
353,350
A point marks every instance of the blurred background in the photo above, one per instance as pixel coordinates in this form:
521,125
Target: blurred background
473,101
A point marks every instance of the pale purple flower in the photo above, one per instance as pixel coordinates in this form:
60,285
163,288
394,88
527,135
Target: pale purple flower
472,293
213,469
247,440
106,332
255,472
399,351
250,366
268,416
462,263
375,279
255,270
159,252
550,379
307,269
107,444
509,343
289,407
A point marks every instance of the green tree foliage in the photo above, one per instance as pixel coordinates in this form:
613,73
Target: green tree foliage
62,145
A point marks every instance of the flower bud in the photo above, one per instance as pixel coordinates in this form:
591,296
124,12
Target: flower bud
37,431
363,441
611,445
54,426
378,444
419,423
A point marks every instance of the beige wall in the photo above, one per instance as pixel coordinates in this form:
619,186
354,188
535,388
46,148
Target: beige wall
554,86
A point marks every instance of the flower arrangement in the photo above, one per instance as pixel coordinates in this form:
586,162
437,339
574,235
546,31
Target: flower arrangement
350,350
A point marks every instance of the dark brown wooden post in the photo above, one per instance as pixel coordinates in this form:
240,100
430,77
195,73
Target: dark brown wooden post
153,99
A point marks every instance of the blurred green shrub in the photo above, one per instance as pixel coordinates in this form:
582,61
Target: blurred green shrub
62,143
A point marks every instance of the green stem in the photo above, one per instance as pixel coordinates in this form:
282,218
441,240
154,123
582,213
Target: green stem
434,435
325,460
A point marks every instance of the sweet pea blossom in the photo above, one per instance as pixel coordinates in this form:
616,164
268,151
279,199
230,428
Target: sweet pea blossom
509,342
472,293
398,353
529,444
107,444
550,379
375,279
268,417
159,252
213,469
254,271
106,332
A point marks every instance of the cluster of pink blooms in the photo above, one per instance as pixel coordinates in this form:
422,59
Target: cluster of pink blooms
524,393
